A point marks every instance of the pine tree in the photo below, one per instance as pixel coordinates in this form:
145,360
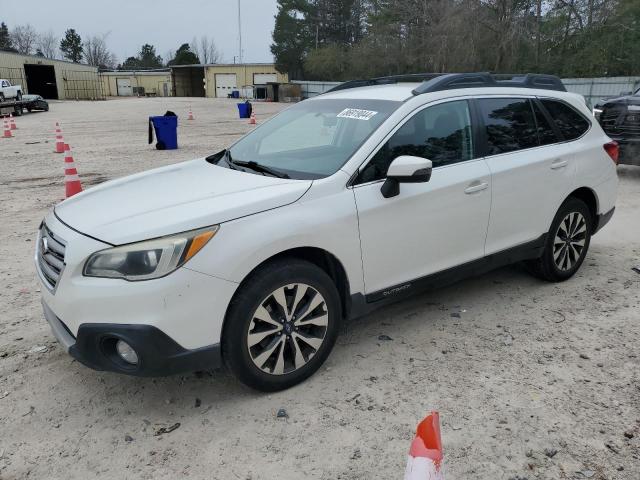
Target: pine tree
5,39
71,46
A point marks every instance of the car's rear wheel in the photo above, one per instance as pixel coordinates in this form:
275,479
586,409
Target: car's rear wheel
567,242
1,97
281,325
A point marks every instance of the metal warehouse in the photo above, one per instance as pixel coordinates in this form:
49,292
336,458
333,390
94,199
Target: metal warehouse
219,80
156,83
53,79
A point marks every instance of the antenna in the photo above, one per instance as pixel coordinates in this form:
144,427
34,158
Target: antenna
239,33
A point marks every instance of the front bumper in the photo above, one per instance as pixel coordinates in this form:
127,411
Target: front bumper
158,354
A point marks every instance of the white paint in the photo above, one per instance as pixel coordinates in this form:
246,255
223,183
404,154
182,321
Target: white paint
123,87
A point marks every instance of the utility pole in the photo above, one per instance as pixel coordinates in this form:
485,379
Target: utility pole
239,33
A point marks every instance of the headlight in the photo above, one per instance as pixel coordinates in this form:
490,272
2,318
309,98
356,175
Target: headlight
148,259
596,111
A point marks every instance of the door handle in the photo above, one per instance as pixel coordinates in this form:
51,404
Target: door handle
556,164
476,187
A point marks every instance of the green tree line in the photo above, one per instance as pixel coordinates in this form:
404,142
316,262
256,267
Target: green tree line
347,39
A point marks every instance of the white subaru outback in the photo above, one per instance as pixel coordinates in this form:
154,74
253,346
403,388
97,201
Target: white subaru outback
253,256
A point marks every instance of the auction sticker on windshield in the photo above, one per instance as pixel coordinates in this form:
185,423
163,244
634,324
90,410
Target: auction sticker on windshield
357,114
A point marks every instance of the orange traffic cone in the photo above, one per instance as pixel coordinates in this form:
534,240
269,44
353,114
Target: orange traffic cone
12,121
59,140
7,130
71,180
252,120
425,455
190,114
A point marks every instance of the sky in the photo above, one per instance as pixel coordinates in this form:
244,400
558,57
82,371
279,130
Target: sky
166,24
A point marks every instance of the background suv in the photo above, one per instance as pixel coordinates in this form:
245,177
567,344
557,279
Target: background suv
620,119
342,203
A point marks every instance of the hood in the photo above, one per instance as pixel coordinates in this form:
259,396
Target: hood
174,199
626,100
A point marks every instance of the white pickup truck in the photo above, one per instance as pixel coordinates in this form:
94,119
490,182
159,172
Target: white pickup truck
8,91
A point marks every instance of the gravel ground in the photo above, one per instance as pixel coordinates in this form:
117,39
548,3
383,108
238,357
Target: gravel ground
532,380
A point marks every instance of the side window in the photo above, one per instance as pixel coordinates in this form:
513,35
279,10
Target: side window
509,124
571,124
441,133
546,133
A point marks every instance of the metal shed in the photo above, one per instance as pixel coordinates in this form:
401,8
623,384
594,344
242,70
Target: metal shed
53,79
219,80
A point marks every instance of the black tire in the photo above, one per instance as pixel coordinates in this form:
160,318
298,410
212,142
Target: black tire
18,96
1,97
18,111
558,269
29,109
258,291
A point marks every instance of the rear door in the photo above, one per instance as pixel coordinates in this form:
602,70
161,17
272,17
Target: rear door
428,227
531,171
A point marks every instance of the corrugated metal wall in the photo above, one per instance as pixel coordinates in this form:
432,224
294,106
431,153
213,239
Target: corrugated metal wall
596,89
311,89
152,82
73,80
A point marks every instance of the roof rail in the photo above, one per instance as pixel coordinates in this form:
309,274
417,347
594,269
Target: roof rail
470,80
434,82
409,77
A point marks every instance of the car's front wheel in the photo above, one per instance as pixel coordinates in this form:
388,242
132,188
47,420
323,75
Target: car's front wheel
567,242
281,325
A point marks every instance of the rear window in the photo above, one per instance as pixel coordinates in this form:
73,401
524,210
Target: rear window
509,124
571,124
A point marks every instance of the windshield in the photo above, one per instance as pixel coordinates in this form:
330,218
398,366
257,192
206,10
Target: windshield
314,138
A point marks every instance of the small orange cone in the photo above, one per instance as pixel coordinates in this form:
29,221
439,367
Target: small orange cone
12,121
7,130
190,114
425,455
59,140
252,120
71,180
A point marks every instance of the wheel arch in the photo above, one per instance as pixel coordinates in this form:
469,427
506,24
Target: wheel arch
323,259
588,196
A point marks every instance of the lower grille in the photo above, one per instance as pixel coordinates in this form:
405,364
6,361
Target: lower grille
50,250
618,121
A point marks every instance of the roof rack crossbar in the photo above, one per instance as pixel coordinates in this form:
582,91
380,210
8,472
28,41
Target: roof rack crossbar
434,82
471,80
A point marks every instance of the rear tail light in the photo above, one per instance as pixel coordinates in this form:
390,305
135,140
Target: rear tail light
613,149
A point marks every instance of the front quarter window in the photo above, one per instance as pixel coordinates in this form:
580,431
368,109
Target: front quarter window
314,138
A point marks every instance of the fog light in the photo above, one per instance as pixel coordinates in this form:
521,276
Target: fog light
126,352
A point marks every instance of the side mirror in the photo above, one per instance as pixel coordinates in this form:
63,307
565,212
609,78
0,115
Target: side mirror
405,169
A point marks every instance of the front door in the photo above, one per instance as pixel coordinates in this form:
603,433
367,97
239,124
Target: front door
429,227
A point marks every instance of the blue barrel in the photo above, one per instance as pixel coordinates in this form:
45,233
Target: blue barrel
235,94
244,109
166,128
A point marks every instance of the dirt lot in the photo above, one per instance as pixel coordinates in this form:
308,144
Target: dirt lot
533,380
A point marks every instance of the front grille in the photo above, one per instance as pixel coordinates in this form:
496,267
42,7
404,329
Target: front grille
619,122
50,251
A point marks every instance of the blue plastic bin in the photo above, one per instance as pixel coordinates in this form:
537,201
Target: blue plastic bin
166,128
244,109
235,94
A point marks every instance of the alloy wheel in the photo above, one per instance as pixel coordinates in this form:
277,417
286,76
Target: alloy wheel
287,329
569,241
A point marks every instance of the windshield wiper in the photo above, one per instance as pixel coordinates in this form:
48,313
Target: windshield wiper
256,167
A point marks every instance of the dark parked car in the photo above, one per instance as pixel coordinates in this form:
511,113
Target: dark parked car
620,119
35,102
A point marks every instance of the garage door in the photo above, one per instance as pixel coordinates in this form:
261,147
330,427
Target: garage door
225,84
124,87
264,78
